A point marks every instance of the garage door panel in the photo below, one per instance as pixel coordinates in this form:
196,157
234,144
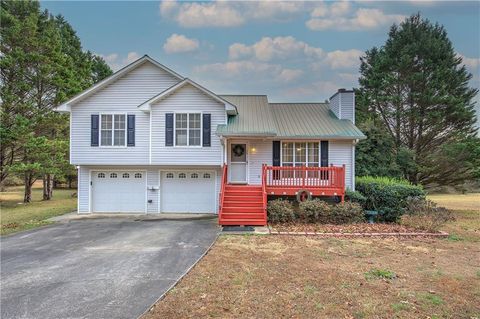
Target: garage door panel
118,191
188,192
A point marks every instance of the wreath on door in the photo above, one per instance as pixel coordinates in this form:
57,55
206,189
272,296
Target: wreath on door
238,150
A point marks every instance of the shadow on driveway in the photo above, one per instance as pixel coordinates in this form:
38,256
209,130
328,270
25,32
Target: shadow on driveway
98,268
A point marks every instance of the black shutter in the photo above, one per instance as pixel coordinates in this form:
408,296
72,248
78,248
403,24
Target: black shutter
324,158
324,153
206,130
276,159
130,130
94,130
169,129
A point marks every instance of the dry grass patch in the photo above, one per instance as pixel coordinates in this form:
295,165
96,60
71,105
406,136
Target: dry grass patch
457,201
16,216
305,277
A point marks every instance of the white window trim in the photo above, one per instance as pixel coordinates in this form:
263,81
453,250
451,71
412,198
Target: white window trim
306,153
188,129
113,129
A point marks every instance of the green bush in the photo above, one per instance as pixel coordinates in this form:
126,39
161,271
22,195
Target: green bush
280,211
386,195
314,211
346,213
425,215
355,197
317,211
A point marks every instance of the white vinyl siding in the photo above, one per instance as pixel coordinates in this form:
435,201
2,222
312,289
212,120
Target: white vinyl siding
340,152
187,99
348,112
335,105
343,106
260,153
121,96
83,189
153,195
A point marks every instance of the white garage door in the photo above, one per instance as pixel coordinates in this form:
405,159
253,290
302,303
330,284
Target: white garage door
188,192
118,191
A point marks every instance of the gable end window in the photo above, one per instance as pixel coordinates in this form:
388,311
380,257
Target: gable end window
188,129
112,130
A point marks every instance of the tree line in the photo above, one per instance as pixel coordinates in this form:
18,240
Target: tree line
42,65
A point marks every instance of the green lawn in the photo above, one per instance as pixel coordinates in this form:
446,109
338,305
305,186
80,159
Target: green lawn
16,216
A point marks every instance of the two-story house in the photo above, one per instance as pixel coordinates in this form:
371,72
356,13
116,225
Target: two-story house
147,140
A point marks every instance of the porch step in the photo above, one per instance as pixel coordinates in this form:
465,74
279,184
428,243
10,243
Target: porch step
229,209
243,222
252,216
242,205
242,193
235,202
243,187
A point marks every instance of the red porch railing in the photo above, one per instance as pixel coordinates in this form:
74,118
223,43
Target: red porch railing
264,191
222,191
319,181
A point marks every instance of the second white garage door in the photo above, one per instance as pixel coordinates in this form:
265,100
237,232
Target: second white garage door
188,192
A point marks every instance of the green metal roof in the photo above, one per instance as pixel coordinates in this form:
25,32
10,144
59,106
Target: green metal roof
257,117
307,120
254,117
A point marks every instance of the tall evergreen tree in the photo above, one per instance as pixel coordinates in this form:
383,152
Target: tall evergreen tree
42,64
417,89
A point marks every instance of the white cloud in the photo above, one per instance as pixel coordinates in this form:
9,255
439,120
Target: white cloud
342,59
234,69
239,50
288,75
249,70
116,62
168,7
228,13
199,14
178,43
335,9
325,88
349,77
268,49
471,63
361,20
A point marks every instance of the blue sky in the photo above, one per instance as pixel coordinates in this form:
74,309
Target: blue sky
292,51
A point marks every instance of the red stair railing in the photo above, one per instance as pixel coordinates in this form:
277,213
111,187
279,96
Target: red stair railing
222,191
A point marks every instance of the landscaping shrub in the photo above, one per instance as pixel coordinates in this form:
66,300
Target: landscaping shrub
317,211
347,213
425,215
314,211
280,211
386,195
355,197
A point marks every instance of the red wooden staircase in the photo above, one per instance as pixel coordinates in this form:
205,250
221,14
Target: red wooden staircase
242,204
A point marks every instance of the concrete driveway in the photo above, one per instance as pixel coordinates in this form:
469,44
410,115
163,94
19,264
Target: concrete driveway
97,268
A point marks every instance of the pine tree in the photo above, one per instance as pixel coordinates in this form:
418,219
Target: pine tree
417,88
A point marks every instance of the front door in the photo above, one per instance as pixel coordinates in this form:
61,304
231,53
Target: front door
238,163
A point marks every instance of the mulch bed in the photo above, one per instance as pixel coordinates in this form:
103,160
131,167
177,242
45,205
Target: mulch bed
350,230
